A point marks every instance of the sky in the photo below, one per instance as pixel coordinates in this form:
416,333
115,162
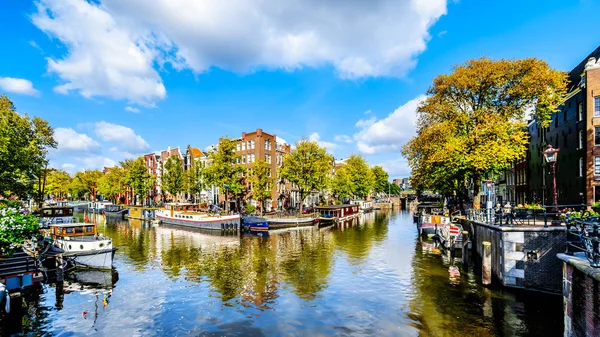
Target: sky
121,78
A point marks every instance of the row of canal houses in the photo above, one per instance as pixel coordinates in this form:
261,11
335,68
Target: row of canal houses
250,147
575,130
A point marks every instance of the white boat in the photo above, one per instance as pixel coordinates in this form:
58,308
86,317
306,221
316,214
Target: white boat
189,216
82,246
98,206
363,206
55,215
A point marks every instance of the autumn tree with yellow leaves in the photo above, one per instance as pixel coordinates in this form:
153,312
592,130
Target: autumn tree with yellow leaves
472,123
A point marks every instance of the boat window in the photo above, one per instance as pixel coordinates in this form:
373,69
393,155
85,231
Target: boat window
68,230
70,211
89,229
47,212
59,212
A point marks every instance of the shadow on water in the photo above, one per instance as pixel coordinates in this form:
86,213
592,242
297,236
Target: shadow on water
366,276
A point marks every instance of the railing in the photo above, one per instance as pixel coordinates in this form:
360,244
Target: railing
583,235
511,216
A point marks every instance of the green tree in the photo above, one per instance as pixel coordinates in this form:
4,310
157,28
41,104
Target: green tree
341,184
84,184
360,174
172,178
111,184
307,166
57,183
380,179
195,178
24,144
473,121
140,180
224,170
261,181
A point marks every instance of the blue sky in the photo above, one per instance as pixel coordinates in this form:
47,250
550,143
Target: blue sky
122,78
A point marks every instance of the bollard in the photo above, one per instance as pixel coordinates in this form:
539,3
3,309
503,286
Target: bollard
465,249
486,260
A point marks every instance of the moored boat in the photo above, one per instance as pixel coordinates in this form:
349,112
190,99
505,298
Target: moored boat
363,206
188,215
115,210
255,224
335,213
278,223
82,246
98,206
55,215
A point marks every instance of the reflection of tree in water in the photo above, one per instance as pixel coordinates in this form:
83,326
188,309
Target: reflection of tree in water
357,240
135,239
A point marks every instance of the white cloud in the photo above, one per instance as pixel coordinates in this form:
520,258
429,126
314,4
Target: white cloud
114,45
280,140
343,138
70,141
327,145
132,109
104,57
388,134
96,162
18,86
396,168
127,140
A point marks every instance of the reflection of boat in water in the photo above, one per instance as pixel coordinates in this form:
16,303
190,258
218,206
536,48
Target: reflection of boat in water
196,237
92,279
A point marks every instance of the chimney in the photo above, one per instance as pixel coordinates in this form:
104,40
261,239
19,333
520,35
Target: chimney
259,132
243,135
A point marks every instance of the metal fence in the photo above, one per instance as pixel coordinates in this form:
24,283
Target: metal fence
512,216
583,235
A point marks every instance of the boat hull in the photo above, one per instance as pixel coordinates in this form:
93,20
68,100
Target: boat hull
94,260
213,223
288,223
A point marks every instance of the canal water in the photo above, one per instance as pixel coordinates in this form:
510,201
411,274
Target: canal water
372,276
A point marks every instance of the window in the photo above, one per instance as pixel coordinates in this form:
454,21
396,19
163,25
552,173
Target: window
596,135
581,166
580,139
243,159
597,166
238,160
252,143
580,111
243,146
238,146
597,106
253,157
249,145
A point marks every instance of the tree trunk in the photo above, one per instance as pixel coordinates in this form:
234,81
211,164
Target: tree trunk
477,190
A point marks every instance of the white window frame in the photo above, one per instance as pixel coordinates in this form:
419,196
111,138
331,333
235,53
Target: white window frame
597,165
596,106
580,111
243,146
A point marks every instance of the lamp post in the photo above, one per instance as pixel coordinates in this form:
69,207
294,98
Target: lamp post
551,156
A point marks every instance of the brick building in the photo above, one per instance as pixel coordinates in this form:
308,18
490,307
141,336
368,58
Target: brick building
258,144
575,129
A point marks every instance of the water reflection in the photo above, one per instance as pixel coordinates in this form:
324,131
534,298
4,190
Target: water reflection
366,276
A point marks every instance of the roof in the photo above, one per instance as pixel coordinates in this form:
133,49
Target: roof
575,74
334,206
196,152
74,224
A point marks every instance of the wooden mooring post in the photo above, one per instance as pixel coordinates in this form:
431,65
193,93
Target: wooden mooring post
60,271
486,260
465,249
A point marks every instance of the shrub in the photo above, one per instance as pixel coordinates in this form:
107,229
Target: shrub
15,227
249,208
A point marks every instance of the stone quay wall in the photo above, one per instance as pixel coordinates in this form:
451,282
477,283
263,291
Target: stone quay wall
522,256
581,297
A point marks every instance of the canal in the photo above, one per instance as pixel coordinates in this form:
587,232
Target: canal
371,277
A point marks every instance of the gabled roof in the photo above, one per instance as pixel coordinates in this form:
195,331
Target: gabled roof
575,74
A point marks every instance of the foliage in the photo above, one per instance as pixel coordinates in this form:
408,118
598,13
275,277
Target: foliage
596,205
393,189
138,178
112,183
24,144
261,181
341,184
249,208
84,183
224,171
473,120
361,176
307,166
57,183
172,178
194,181
15,227
380,180
534,207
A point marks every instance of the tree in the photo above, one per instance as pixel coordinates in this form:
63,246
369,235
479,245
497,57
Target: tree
307,166
195,178
85,183
341,185
24,144
360,176
172,179
140,181
57,183
473,121
380,180
261,181
224,170
112,183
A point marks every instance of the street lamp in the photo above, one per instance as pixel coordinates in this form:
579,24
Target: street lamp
551,156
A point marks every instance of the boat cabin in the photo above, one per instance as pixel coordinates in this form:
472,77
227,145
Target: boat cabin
337,211
54,212
72,230
112,208
182,207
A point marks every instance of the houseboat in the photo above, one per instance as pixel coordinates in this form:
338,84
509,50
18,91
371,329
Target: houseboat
335,213
278,223
428,224
116,211
55,215
98,206
190,216
449,237
255,224
82,246
363,206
